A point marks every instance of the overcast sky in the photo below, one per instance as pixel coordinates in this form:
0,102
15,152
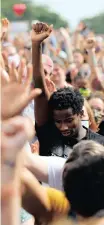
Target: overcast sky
73,10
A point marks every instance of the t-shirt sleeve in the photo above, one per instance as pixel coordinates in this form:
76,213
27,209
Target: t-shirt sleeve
55,170
27,147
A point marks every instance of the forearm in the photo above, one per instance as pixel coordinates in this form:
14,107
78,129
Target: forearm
94,67
76,37
36,164
38,72
92,59
10,197
69,50
41,103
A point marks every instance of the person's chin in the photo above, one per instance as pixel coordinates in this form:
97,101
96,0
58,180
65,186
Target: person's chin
66,134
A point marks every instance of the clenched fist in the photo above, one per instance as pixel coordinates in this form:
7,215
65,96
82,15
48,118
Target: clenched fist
91,43
40,32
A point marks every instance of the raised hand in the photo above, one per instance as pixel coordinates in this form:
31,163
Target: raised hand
4,27
14,98
50,86
40,32
15,93
91,43
14,133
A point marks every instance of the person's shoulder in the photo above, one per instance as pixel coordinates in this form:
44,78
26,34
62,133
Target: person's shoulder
49,126
96,137
55,160
101,128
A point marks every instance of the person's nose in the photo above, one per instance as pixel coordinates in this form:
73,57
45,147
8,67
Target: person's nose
63,127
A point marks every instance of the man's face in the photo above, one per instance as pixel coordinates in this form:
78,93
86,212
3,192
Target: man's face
67,122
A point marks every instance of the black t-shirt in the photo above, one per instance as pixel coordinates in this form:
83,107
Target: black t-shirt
53,143
101,128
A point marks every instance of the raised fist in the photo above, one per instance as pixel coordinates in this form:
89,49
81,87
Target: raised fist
40,32
91,43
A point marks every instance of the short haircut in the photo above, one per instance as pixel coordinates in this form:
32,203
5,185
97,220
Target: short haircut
65,98
83,178
97,94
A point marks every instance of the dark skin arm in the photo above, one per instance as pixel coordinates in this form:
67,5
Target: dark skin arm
39,33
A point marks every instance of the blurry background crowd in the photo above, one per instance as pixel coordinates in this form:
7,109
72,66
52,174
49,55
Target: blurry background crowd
71,57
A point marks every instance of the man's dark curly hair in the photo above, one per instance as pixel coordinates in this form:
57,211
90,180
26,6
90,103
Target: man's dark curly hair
66,98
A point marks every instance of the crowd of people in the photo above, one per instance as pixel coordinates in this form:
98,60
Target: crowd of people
52,126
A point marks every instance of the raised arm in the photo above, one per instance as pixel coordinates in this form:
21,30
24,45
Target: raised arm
67,41
40,32
92,60
36,164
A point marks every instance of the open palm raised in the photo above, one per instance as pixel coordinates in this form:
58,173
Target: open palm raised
15,95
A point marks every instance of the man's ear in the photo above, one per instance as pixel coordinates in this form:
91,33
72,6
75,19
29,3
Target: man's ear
81,114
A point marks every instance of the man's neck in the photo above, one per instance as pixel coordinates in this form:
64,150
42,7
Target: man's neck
81,133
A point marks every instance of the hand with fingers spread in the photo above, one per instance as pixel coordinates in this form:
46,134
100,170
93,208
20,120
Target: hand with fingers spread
14,93
4,27
50,86
21,75
40,32
14,98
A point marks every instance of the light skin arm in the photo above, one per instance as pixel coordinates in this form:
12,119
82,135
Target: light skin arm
39,33
14,133
37,165
93,61
67,41
77,40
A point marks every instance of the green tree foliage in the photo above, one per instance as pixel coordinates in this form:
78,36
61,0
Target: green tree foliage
96,23
33,12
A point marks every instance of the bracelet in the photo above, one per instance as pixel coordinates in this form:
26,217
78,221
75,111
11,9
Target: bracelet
9,163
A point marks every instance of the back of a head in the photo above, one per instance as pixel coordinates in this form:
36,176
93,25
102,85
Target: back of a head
83,178
65,98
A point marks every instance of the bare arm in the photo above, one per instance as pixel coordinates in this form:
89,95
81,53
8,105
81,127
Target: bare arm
77,40
39,33
68,44
35,199
41,103
93,62
36,164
